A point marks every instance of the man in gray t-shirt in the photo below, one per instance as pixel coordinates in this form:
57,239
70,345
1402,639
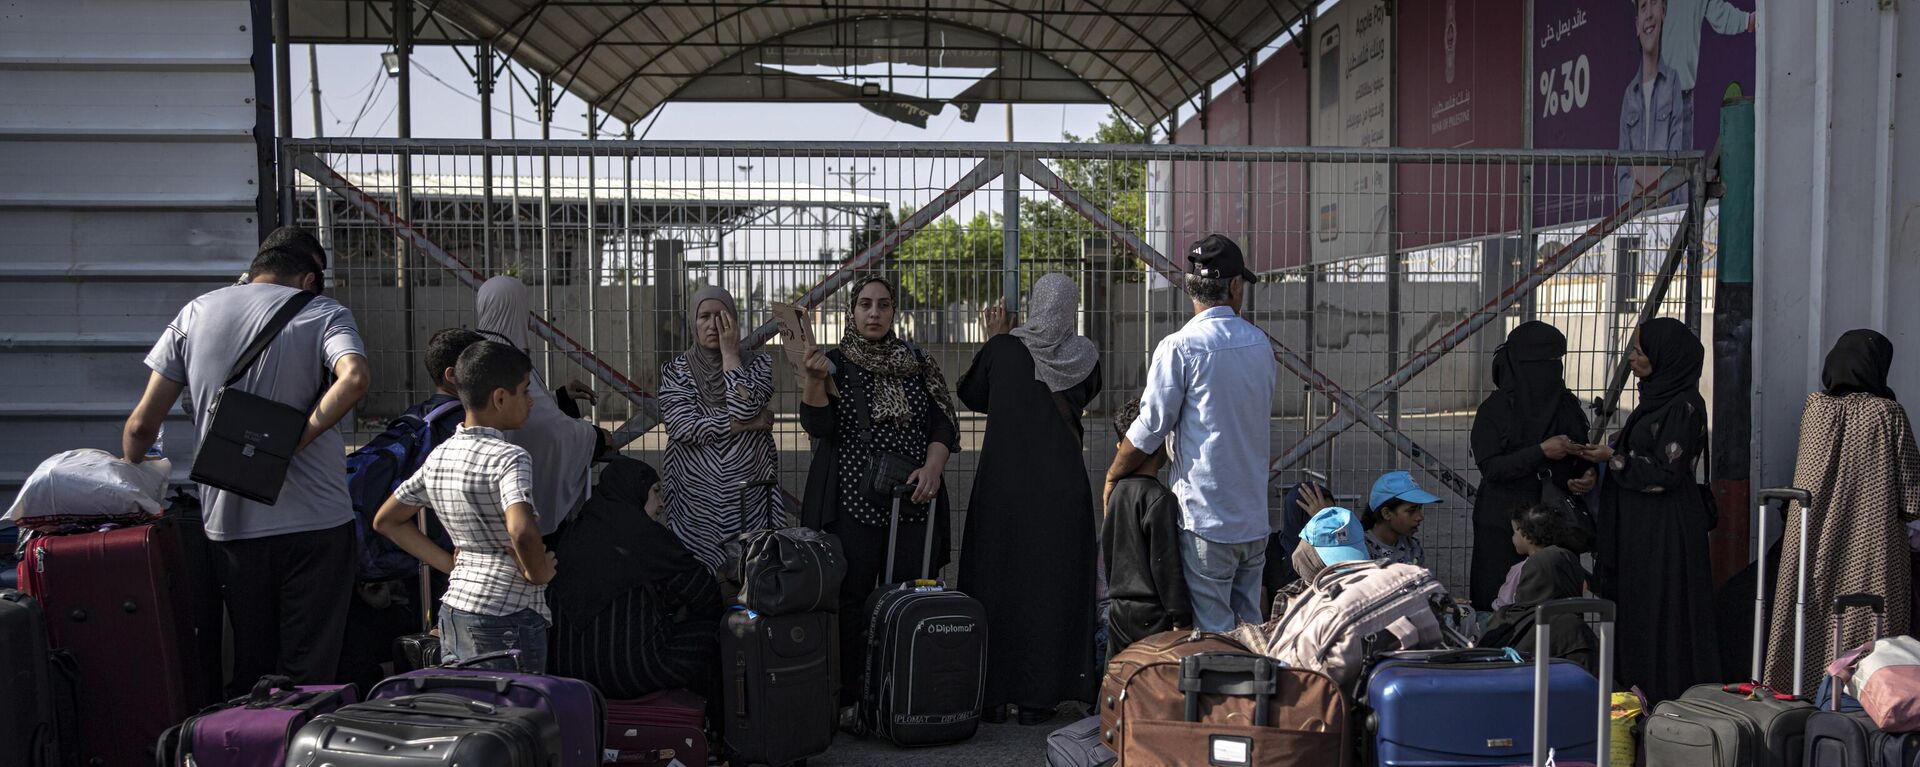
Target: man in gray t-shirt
286,570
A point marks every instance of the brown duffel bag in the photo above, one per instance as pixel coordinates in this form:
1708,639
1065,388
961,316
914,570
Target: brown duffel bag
1198,698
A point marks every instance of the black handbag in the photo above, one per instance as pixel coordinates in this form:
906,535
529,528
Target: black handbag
792,570
250,440
886,473
1555,496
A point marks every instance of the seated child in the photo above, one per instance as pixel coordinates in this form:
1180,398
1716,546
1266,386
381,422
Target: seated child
1332,536
1140,544
480,485
1550,571
1393,516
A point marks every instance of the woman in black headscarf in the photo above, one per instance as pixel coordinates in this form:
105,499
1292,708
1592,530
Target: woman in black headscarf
1857,458
1652,553
1527,439
633,611
875,395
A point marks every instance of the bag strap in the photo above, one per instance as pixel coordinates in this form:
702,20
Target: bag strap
270,331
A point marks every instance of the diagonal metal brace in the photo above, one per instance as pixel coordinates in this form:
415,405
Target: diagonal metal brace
1376,395
1292,361
649,407
980,176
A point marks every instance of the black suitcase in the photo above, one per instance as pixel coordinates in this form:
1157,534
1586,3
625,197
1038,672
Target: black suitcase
1739,725
778,691
926,655
422,730
30,710
1850,738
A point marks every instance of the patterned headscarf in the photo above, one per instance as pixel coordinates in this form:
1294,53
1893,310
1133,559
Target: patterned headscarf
893,363
1061,358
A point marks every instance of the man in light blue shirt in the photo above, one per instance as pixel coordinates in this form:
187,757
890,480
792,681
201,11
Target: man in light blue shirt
1208,399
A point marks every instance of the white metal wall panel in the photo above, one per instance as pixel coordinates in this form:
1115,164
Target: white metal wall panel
128,180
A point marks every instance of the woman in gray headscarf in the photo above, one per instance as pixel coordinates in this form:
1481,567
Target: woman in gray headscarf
1029,550
714,400
563,446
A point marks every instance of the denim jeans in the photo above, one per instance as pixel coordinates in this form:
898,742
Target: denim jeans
465,635
1223,580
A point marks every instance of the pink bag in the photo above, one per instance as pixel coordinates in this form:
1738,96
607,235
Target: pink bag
1885,678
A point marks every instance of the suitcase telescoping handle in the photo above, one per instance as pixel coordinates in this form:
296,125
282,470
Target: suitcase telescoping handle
1841,604
1229,673
1785,495
893,533
1543,661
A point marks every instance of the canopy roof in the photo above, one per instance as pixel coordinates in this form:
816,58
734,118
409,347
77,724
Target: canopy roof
627,57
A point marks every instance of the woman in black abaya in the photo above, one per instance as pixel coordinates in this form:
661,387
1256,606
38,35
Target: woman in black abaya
1028,554
1652,554
1527,435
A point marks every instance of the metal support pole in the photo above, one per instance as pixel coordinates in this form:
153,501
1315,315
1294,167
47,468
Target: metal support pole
403,46
321,219
593,251
1696,246
545,94
1010,230
629,274
483,82
1531,248
283,106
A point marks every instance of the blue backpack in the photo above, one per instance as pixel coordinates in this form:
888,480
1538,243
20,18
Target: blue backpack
373,472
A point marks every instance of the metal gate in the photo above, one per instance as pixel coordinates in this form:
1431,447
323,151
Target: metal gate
1390,275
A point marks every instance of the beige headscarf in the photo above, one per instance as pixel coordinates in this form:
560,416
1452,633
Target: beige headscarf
562,448
703,363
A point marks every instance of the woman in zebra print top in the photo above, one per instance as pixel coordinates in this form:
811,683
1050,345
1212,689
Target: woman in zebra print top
720,433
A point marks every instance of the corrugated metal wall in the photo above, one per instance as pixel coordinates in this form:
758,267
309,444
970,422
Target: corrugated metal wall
128,184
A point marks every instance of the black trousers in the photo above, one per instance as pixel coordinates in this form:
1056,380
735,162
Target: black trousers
865,548
287,596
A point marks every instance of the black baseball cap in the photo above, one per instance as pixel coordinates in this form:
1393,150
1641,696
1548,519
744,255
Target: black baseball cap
1216,258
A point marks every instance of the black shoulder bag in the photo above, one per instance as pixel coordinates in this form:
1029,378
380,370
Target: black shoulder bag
886,472
250,440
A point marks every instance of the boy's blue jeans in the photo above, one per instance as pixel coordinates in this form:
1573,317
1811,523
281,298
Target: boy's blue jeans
466,635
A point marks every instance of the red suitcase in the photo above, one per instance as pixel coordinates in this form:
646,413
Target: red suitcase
117,601
667,727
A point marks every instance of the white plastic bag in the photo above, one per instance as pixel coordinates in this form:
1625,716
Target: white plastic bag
89,485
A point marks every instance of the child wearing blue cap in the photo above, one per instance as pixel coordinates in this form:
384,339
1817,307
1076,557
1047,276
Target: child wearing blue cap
1393,516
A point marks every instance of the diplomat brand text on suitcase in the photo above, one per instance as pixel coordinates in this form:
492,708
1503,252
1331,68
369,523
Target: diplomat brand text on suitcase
926,655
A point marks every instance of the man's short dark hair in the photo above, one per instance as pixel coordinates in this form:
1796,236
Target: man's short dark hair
1209,291
283,262
299,240
444,348
1124,417
488,366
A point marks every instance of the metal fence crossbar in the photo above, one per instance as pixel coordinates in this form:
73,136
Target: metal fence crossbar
1288,358
319,171
1673,179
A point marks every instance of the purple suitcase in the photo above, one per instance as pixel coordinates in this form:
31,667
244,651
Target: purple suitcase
576,705
252,731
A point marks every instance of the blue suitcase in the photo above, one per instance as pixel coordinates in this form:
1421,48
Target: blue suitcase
1440,708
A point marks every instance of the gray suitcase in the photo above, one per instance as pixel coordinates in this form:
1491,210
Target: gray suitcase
1078,745
1741,725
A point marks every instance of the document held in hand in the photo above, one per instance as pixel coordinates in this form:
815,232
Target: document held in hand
795,334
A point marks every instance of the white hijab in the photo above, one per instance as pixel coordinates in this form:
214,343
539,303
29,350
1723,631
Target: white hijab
1061,358
562,447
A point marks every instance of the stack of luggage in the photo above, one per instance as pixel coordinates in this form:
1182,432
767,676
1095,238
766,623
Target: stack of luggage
1362,667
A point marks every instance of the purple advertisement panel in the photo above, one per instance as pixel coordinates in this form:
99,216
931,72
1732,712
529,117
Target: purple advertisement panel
1634,75
1461,71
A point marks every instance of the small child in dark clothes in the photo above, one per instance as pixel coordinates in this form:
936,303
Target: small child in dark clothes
1140,543
1549,572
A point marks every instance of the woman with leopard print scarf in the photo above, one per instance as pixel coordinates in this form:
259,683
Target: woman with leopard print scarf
874,395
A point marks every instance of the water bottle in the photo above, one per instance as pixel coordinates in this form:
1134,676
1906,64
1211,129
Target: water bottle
159,468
